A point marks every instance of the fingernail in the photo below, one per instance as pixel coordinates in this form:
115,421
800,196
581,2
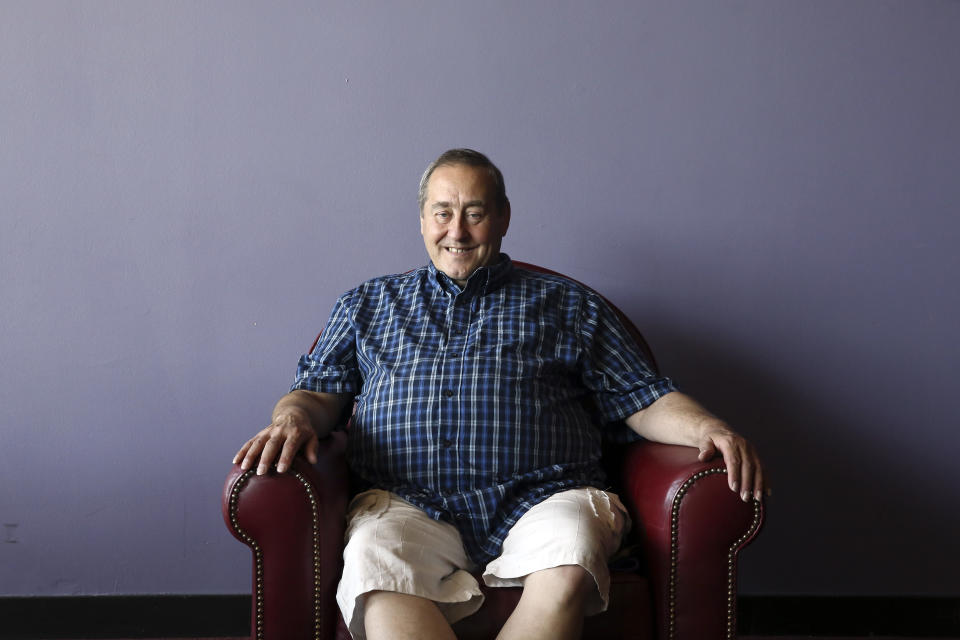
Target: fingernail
262,469
281,468
744,495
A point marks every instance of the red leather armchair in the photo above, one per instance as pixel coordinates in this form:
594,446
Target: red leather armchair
689,529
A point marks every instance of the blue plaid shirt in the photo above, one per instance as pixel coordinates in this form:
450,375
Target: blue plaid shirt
475,404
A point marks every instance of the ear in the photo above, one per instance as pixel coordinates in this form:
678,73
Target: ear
506,218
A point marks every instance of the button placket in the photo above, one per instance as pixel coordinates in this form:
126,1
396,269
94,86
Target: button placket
458,316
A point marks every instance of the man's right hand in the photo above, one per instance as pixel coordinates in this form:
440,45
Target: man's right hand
298,421
289,432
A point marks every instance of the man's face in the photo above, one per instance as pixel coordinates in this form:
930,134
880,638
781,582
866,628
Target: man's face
460,222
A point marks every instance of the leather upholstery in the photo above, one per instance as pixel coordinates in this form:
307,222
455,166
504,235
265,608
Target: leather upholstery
689,526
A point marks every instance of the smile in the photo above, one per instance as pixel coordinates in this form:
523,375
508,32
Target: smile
456,250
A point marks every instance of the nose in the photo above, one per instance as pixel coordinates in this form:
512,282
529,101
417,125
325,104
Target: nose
457,228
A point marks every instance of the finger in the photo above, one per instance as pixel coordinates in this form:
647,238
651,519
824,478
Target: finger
269,453
290,447
733,474
747,472
707,451
242,453
731,458
313,445
758,483
253,448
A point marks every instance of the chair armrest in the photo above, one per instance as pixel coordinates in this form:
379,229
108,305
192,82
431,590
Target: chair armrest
294,524
692,527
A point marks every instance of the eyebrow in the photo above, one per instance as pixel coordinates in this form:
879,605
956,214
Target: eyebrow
470,203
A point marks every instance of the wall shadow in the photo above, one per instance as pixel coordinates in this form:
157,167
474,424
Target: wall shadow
849,515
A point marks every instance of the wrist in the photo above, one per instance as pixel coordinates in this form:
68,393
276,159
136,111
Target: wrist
289,410
709,425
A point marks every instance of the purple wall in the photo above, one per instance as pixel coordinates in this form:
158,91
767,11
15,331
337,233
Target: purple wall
770,189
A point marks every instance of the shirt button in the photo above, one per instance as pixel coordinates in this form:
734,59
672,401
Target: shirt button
446,443
448,393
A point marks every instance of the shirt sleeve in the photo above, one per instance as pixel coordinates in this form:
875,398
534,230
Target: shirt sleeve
612,366
331,366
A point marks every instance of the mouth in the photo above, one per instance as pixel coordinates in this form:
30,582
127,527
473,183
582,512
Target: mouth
457,250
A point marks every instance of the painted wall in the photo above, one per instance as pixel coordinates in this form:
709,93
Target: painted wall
770,189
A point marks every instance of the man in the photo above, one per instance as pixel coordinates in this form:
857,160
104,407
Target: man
482,394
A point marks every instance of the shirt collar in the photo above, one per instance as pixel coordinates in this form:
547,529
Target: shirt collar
482,281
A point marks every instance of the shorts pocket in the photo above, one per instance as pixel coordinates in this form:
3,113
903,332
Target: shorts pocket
365,506
609,509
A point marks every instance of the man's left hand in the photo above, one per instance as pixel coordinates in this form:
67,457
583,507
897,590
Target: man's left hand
744,470
676,418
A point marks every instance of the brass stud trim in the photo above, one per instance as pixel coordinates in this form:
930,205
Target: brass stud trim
315,536
258,553
731,556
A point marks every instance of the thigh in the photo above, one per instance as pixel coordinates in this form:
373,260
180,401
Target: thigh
392,545
383,528
582,527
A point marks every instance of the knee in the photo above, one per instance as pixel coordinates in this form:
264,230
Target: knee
383,606
565,586
373,599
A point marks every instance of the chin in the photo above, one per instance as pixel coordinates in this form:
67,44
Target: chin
459,271
458,274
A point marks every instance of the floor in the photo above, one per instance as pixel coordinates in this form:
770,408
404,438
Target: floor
741,638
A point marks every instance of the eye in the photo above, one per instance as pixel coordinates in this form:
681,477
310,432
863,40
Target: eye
442,215
475,216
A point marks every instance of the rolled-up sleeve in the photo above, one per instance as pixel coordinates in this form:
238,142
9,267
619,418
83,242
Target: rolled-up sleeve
613,367
331,366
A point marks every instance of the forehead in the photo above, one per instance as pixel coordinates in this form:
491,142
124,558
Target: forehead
460,180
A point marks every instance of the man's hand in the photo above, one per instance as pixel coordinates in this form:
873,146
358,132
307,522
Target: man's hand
289,432
677,418
744,471
299,420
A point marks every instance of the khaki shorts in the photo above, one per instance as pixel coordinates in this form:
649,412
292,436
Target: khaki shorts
394,546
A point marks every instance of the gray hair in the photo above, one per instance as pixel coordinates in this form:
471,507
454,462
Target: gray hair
470,158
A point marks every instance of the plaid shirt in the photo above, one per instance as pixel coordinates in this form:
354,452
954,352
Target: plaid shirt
476,404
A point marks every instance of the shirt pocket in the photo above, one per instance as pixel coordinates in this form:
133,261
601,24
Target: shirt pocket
528,347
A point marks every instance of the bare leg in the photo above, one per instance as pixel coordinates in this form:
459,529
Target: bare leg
399,616
552,604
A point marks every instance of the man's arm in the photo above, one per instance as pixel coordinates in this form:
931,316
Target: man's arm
676,418
299,420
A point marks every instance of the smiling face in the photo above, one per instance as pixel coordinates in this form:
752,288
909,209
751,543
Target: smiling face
460,222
